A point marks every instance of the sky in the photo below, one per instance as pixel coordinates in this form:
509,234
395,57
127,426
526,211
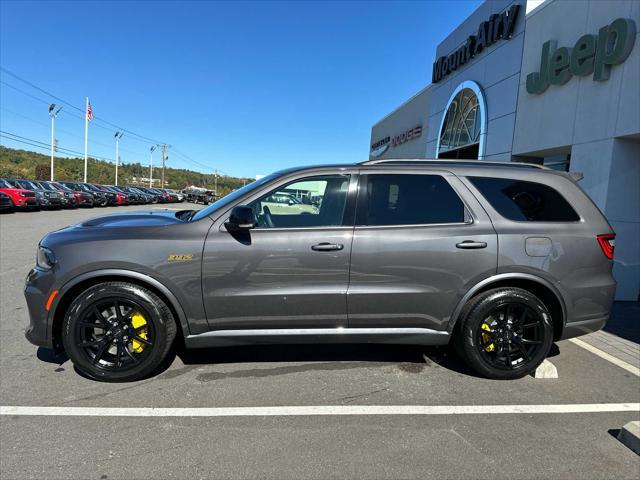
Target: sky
245,88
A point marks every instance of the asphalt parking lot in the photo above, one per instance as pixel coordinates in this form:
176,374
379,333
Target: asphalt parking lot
454,441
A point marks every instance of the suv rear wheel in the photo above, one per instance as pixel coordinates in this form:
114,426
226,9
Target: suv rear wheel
505,333
118,331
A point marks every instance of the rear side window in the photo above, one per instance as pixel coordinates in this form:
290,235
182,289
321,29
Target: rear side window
409,200
525,201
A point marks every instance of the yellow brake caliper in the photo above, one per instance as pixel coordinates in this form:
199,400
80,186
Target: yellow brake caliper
137,321
485,338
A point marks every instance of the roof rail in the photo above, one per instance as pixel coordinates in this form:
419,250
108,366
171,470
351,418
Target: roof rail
463,163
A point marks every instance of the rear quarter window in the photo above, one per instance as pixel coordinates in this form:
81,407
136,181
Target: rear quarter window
523,201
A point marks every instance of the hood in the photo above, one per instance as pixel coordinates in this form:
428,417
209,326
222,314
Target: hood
150,218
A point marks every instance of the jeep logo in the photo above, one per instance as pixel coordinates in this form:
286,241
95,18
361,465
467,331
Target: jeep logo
590,54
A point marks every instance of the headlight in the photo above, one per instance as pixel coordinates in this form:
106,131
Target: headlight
45,258
23,194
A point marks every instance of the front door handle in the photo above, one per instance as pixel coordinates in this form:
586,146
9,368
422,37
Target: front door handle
471,244
327,247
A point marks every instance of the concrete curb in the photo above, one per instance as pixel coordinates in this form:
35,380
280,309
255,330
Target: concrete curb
630,436
546,370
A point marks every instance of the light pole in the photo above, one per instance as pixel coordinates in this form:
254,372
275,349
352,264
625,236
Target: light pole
151,166
53,115
118,136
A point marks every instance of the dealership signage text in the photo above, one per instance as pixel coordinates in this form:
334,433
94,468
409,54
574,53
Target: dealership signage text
590,54
499,26
379,147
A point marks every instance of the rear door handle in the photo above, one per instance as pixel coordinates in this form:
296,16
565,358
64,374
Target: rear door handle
327,247
471,244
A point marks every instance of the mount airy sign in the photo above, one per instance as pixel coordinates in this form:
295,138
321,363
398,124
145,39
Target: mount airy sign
499,26
590,54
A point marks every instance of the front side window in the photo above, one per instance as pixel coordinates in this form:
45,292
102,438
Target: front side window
409,200
309,202
525,201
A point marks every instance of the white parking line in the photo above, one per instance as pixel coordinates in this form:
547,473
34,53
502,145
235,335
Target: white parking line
319,410
610,358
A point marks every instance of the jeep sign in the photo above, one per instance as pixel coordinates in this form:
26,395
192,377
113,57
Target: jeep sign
590,54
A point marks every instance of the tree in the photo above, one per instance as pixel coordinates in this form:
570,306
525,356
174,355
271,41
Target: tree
43,171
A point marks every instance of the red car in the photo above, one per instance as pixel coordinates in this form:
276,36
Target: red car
20,197
82,199
121,198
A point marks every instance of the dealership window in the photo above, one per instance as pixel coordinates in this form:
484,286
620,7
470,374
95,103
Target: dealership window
397,199
525,201
462,130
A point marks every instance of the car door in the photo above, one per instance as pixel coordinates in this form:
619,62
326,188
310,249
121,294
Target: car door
420,240
292,269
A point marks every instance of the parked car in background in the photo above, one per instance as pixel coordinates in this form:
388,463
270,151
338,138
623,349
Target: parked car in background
148,198
83,199
156,196
47,198
68,198
99,198
20,197
6,204
121,197
179,197
112,197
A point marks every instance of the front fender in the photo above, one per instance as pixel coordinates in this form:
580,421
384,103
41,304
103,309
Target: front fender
113,273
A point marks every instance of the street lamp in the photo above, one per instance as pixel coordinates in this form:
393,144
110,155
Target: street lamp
53,113
118,136
151,166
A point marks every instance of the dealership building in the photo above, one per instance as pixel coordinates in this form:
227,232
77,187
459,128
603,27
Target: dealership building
553,82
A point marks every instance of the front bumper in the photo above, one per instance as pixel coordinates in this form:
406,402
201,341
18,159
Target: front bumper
38,287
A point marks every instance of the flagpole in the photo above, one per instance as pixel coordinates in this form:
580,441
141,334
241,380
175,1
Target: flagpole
86,137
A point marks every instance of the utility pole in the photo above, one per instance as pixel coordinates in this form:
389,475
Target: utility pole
164,157
118,136
215,189
151,166
53,115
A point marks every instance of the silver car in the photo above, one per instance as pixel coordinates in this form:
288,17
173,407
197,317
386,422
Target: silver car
500,260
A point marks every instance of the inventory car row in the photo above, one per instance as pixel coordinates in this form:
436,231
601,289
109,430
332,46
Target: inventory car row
25,194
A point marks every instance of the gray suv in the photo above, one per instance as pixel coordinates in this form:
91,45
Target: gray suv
499,260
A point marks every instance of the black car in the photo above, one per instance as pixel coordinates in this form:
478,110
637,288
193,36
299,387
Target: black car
99,198
6,204
68,199
47,199
135,198
112,198
83,199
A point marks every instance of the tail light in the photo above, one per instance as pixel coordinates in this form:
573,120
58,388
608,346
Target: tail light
608,244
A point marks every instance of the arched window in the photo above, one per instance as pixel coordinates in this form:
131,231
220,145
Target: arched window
463,127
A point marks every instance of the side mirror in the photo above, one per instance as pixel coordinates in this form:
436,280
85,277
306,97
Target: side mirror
241,218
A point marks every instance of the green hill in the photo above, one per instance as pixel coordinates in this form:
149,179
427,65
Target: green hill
27,164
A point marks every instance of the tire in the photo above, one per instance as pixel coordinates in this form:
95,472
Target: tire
109,347
495,333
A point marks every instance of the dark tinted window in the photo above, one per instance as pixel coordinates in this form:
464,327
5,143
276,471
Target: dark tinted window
525,201
409,200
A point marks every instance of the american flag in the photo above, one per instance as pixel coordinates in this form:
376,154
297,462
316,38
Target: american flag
89,112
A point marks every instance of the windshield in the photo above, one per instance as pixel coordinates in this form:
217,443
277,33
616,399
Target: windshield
46,186
4,184
233,196
60,186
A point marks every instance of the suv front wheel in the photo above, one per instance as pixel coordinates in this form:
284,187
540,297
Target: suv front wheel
505,333
118,331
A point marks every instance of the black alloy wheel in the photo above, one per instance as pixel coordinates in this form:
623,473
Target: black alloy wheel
118,331
504,333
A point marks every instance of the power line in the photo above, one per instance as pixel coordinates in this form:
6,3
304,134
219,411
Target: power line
130,132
